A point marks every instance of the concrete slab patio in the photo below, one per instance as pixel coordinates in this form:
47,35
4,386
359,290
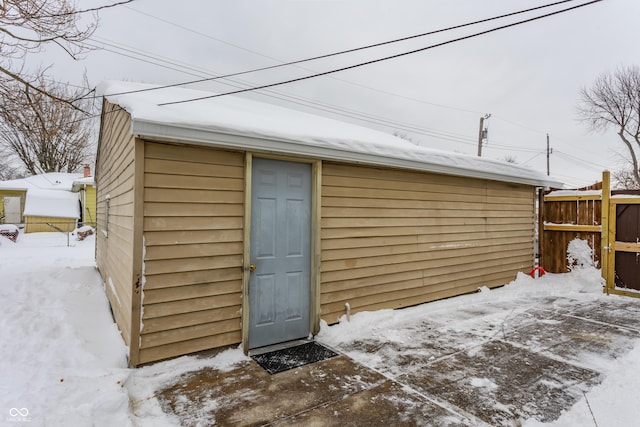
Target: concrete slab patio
483,364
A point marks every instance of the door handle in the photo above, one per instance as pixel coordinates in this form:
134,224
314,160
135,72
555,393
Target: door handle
252,267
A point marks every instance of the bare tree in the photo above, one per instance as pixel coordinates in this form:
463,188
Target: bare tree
27,27
47,135
614,100
625,180
7,169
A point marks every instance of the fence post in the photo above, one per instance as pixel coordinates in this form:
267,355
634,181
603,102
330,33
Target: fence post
604,224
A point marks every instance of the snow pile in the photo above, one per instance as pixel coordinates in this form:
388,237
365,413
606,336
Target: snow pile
579,255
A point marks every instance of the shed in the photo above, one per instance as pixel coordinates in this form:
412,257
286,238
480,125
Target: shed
48,202
226,221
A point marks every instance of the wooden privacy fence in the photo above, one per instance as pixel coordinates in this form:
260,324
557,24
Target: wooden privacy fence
564,216
608,220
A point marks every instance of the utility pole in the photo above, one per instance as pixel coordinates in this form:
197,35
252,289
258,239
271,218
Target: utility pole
549,151
481,133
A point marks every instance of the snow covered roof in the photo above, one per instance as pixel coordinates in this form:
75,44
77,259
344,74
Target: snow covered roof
56,204
79,183
45,181
237,123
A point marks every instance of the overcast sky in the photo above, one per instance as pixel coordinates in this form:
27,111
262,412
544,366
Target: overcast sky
527,77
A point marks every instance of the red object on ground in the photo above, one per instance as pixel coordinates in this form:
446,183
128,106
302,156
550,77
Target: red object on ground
9,233
539,270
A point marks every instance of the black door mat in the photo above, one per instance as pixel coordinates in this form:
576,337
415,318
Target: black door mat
293,357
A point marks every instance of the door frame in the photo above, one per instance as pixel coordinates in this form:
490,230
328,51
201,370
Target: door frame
314,279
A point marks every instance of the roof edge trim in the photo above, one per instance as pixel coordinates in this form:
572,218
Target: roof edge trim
220,139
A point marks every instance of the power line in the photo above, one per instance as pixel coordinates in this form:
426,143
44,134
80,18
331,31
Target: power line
405,126
455,27
305,102
575,159
538,154
348,50
384,58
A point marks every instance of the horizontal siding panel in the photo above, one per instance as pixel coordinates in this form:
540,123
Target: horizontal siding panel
173,279
154,180
474,227
400,222
158,238
435,186
363,232
172,167
192,250
192,209
192,264
177,321
431,276
189,333
363,242
436,257
193,223
190,154
445,208
154,296
399,295
439,202
333,317
192,196
374,251
188,306
430,267
434,218
185,347
391,195
403,176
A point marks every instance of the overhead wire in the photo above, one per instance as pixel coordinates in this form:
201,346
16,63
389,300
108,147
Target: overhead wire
421,101
386,58
576,159
377,120
353,49
298,100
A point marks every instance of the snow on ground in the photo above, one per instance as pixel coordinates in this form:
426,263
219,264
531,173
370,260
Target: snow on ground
64,362
63,359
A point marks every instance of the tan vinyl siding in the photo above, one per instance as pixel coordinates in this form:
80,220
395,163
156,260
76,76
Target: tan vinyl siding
193,234
393,238
115,178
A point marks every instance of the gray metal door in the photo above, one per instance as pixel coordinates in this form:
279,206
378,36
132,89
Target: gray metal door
279,287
